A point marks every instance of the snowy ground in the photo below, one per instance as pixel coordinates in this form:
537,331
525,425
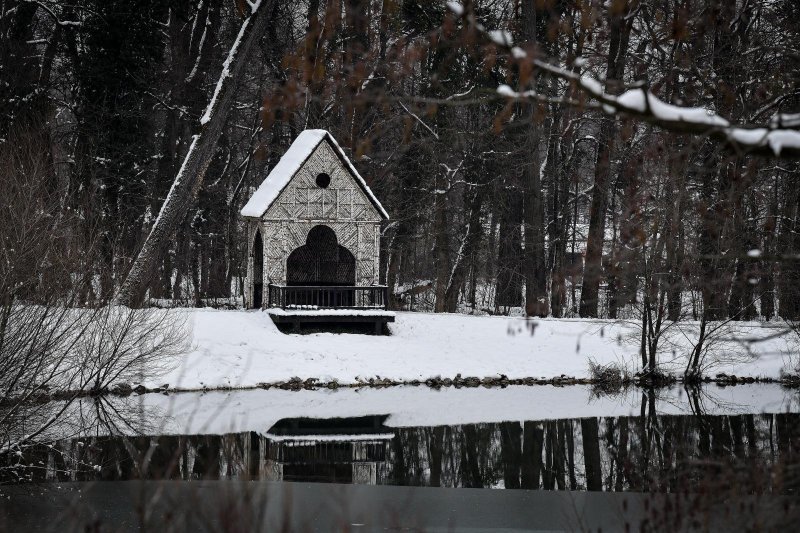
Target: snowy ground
244,348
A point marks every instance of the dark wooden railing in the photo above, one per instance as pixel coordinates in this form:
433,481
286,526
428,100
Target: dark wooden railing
328,297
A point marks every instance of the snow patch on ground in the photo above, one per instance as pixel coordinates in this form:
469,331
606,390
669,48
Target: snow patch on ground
245,348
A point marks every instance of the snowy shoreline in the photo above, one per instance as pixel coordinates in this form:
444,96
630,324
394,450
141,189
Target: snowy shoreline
244,350
221,412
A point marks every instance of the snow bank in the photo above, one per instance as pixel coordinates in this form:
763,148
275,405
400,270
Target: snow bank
244,348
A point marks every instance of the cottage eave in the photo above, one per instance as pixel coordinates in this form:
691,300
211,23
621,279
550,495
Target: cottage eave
292,161
320,220
349,165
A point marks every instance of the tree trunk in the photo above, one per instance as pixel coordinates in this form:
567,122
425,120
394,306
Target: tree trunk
557,224
789,280
768,266
441,247
315,65
709,240
532,444
467,250
202,148
471,471
675,245
591,453
534,255
511,453
509,253
593,268
436,450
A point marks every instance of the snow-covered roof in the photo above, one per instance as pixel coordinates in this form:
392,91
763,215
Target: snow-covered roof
290,163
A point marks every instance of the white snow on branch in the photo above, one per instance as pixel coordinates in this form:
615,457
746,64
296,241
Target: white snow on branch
461,94
518,53
786,120
640,102
507,91
501,37
777,140
644,101
459,256
591,85
456,8
194,23
52,13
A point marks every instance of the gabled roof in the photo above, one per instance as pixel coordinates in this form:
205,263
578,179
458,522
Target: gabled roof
290,163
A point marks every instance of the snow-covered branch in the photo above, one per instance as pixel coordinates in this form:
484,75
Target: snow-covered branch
780,137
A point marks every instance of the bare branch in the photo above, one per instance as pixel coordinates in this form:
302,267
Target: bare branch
774,139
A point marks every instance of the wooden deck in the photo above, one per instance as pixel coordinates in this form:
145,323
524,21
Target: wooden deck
329,305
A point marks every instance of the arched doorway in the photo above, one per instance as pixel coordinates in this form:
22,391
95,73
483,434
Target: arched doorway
258,271
321,261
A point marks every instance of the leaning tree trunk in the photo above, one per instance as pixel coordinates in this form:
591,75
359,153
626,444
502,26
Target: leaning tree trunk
191,174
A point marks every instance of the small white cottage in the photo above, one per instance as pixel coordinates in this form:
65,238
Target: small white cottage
313,229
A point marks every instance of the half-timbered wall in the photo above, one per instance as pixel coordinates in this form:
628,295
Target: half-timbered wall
343,206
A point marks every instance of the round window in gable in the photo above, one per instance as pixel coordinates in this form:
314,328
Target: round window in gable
323,180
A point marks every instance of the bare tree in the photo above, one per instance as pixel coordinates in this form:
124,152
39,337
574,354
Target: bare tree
53,338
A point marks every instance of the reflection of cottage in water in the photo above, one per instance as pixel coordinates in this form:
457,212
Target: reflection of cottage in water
338,450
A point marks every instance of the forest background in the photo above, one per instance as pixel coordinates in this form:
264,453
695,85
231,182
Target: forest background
541,200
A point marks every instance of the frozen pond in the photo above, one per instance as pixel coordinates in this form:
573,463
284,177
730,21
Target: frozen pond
667,442
517,437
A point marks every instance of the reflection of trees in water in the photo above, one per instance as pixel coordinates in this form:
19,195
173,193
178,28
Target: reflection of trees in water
667,453
70,447
660,453
110,458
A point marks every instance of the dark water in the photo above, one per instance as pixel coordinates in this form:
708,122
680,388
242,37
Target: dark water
753,453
